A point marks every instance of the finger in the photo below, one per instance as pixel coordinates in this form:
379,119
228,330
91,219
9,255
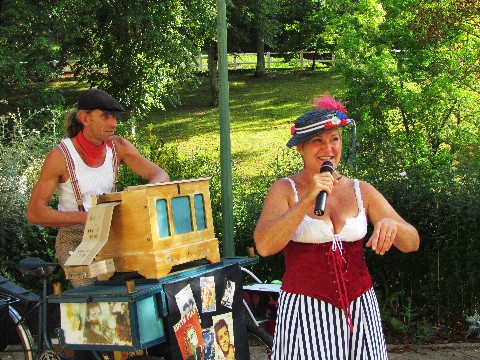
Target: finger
387,242
382,241
384,246
374,240
369,242
325,184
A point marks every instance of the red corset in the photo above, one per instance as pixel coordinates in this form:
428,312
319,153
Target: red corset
310,270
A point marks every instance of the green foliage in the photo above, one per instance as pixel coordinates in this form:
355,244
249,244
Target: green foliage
416,105
251,22
304,26
474,326
138,51
22,152
26,50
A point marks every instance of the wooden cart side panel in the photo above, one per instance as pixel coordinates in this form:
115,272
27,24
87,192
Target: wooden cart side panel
130,229
166,259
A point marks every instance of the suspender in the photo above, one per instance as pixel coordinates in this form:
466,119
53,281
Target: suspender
114,165
73,176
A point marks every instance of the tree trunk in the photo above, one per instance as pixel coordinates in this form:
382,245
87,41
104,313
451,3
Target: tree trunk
260,68
213,71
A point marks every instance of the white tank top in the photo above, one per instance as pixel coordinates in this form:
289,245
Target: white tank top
91,181
316,231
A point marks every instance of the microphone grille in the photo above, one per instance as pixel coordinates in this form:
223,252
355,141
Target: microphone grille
327,166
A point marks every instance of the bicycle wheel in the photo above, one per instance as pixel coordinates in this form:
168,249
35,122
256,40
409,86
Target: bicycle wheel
260,341
22,345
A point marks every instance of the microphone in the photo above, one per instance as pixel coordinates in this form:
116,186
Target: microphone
327,166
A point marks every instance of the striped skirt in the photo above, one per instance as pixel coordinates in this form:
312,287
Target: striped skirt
308,328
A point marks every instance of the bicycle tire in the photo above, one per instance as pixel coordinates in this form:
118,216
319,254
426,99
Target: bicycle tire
24,342
260,341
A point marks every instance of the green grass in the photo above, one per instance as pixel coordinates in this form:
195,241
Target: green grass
261,114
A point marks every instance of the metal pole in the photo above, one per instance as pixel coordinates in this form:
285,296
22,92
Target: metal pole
225,145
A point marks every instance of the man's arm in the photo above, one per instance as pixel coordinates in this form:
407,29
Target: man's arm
130,155
38,211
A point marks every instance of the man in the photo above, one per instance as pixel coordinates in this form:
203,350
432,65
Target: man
84,164
222,335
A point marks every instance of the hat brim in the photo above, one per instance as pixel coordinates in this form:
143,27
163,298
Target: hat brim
114,112
299,138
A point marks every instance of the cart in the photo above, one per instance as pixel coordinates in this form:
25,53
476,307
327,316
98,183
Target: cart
177,316
155,233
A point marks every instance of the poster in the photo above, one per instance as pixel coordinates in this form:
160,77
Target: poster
207,288
188,332
211,301
96,323
224,337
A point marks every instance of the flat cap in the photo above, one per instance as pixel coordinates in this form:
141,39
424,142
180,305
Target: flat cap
92,99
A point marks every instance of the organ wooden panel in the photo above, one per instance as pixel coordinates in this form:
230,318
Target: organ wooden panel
157,226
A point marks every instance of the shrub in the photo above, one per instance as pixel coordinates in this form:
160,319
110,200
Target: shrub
22,152
474,327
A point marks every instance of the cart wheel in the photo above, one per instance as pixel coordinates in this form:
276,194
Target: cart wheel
260,341
49,355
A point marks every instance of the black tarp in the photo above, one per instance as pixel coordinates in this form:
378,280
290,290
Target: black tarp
225,279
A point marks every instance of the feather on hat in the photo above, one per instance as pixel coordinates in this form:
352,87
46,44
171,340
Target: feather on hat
330,114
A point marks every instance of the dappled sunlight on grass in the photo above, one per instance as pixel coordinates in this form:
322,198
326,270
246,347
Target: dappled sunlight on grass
261,114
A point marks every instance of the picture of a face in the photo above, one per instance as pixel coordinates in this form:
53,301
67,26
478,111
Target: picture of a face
192,336
192,345
223,338
94,313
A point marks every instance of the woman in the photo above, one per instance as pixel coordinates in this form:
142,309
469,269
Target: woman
327,305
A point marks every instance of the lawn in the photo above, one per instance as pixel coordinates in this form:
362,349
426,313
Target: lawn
261,114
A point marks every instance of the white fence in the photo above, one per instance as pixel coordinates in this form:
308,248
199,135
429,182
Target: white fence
235,60
249,60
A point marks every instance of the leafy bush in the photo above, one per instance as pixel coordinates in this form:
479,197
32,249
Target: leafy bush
474,327
22,152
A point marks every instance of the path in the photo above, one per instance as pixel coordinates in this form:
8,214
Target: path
454,351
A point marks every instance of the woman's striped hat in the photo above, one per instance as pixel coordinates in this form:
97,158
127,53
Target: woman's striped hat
330,114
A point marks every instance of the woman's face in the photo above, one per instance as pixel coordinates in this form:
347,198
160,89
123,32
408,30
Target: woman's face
320,148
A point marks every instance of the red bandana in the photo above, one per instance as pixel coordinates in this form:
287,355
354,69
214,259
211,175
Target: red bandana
91,152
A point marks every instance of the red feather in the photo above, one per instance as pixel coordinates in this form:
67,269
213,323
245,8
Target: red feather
328,102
